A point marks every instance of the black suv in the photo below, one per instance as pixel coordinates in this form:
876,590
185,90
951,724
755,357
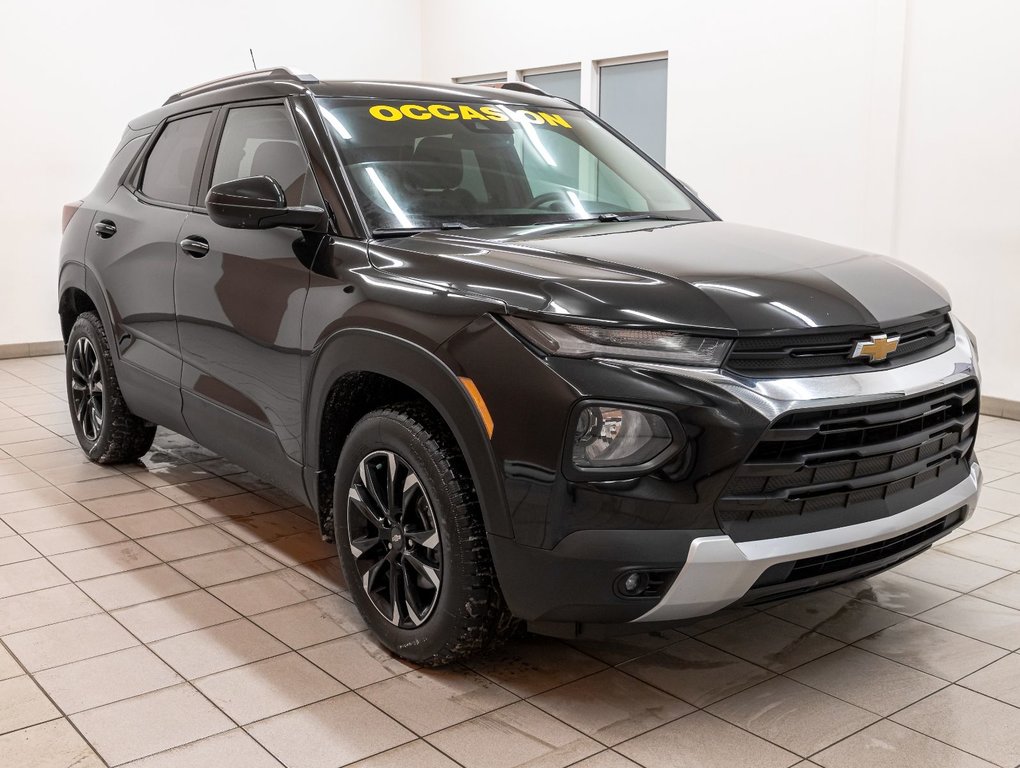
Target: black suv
516,368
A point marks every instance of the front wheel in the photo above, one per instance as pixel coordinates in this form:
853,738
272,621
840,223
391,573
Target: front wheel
106,429
411,541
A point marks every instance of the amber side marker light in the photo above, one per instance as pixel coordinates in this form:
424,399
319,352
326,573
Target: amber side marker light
476,396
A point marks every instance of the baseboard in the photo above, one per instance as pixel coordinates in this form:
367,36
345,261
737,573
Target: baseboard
31,349
1000,406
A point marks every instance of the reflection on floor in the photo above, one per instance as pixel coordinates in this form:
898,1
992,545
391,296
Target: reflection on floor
182,613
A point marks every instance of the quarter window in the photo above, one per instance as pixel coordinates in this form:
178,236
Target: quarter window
170,169
261,141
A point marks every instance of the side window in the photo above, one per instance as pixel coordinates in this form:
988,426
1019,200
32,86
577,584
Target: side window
170,167
260,141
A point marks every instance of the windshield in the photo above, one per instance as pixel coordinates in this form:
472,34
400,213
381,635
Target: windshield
421,166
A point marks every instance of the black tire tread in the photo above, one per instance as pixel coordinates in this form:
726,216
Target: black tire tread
128,437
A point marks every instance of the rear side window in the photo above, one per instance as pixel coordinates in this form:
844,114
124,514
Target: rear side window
261,141
170,168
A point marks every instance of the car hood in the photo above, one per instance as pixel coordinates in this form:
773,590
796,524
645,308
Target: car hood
714,276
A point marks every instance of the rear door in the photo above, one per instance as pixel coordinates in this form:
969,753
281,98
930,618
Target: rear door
240,297
133,253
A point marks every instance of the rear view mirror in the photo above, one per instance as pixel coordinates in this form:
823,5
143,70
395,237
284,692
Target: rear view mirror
257,202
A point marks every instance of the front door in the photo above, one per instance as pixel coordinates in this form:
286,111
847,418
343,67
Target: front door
240,295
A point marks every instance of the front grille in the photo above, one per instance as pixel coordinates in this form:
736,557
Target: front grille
857,559
818,469
821,353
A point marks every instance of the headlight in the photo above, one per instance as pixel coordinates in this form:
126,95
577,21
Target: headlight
613,436
571,340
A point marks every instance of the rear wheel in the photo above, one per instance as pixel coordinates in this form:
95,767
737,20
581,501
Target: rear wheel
106,429
411,541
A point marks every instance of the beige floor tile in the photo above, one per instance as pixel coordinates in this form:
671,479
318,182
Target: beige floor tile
969,721
34,447
28,576
329,733
1011,483
174,615
48,517
14,549
983,620
268,591
419,754
227,565
298,548
70,538
617,650
986,549
200,490
770,642
534,664
68,641
36,498
357,660
67,456
119,590
230,749
22,704
1000,680
999,500
228,507
611,706
172,475
983,518
866,680
898,593
156,521
696,672
888,745
6,530
50,745
312,622
105,679
190,542
218,648
836,615
151,723
102,561
427,701
86,490
946,570
270,687
9,666
128,504
932,649
266,527
518,735
74,473
792,715
326,572
1008,529
606,759
703,741
45,606
21,481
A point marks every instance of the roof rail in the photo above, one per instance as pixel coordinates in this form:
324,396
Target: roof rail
258,76
518,85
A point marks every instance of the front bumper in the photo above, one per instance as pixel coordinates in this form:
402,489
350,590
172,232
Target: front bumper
719,572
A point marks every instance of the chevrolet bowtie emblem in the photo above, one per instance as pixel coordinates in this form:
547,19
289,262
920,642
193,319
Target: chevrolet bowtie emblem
876,348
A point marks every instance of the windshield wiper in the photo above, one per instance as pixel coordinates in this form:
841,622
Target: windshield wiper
636,217
408,231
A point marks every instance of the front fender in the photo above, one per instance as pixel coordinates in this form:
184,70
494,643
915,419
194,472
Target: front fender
355,350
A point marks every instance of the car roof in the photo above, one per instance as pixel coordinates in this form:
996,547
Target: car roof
283,82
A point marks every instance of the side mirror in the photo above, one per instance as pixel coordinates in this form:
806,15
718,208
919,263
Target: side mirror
257,202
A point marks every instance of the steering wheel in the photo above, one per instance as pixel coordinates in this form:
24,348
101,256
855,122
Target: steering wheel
549,197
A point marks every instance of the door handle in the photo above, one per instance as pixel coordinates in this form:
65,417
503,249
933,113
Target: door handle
196,246
106,229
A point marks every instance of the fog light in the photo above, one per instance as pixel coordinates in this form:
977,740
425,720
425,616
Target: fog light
634,583
611,436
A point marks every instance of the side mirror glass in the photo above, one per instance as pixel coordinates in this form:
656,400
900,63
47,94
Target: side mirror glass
257,202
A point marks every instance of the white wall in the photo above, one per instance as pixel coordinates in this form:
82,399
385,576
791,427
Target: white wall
75,73
888,125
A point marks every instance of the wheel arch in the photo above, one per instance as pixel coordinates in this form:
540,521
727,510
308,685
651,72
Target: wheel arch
357,370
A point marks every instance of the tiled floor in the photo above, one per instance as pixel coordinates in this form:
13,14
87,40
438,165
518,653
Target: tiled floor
182,613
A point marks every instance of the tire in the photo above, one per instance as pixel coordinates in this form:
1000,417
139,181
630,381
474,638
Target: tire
449,605
106,429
